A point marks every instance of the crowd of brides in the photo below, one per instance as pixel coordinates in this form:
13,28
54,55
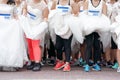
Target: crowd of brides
61,33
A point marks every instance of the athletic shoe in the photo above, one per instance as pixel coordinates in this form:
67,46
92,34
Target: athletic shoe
66,68
86,68
59,65
115,66
118,70
96,67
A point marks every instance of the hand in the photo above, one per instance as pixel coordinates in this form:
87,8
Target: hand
76,15
16,18
45,19
115,35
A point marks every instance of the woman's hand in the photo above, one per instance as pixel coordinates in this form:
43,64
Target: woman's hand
24,10
45,19
76,15
45,14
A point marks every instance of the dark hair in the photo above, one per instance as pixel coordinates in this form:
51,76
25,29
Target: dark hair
59,1
11,2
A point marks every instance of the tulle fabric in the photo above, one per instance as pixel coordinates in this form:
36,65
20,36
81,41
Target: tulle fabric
115,29
33,32
58,25
12,49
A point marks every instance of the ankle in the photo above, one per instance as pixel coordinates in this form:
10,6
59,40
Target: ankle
67,62
31,63
60,61
37,61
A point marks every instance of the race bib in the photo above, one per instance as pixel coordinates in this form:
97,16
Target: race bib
6,16
32,16
63,9
81,10
94,13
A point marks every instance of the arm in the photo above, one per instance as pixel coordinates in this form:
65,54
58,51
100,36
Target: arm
104,9
75,9
15,13
46,1
114,12
53,5
45,14
72,7
85,5
24,10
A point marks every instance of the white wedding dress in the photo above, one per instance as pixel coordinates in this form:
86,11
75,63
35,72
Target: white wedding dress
33,25
12,46
58,22
116,25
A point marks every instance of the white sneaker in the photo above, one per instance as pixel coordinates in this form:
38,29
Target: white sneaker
118,70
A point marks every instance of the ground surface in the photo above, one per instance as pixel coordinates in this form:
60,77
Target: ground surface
47,73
